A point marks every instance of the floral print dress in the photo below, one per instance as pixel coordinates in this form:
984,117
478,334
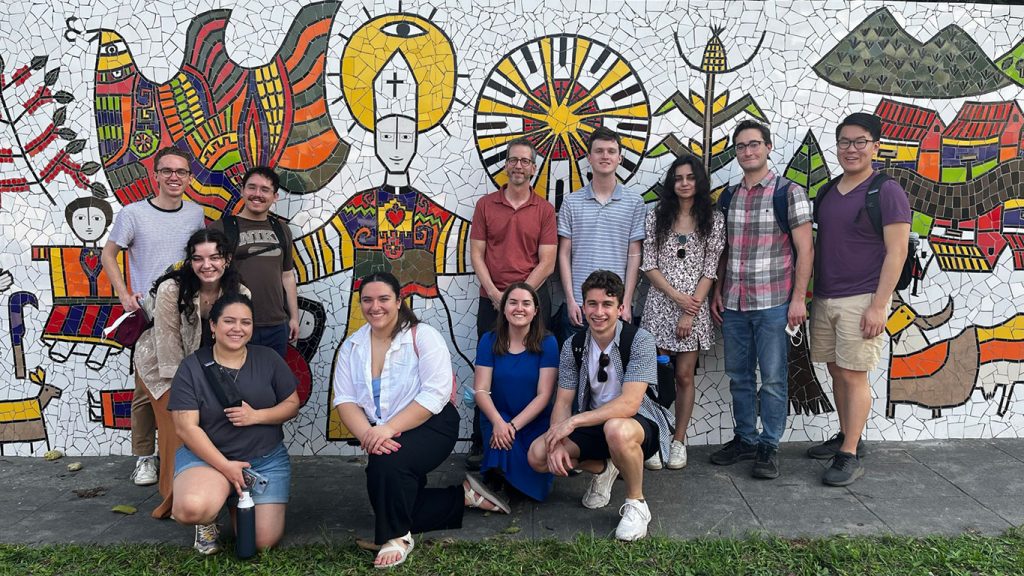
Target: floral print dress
699,259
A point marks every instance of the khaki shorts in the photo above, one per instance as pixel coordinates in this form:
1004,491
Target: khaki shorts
836,337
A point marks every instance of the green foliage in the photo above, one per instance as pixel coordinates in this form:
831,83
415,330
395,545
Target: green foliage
585,555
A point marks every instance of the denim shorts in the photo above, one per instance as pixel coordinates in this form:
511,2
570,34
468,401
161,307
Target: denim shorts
275,467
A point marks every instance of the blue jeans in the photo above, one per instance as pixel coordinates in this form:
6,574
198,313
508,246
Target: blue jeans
274,337
758,338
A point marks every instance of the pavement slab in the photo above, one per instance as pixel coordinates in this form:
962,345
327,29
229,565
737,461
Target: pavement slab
937,487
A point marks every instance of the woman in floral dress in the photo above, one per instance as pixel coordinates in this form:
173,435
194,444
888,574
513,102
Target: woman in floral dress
685,237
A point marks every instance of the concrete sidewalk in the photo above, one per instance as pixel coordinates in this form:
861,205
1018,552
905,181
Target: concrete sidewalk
937,487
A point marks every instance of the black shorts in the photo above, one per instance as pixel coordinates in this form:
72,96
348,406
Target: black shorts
594,446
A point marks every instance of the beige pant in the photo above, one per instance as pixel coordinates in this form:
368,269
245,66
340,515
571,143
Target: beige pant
143,421
836,336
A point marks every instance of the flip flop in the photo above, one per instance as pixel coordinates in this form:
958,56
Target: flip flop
478,493
391,546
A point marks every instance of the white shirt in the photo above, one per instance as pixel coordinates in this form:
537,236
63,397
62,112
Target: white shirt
425,378
602,393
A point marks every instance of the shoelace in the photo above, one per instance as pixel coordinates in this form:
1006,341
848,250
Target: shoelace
841,461
208,532
632,511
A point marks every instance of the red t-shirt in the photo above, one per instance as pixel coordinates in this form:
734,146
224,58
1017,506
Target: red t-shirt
513,236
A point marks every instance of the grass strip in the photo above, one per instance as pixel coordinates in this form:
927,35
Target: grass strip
585,555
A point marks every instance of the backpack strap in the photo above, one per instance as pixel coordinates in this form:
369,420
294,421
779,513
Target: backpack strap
286,250
872,202
780,203
226,392
230,222
626,343
725,199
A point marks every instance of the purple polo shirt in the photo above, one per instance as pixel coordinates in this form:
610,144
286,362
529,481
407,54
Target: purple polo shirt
849,253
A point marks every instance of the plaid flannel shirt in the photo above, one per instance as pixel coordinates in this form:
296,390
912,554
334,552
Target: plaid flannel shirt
759,271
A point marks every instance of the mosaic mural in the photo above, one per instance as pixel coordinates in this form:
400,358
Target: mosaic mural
388,120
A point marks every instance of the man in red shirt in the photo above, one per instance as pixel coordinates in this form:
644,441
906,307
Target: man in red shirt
514,238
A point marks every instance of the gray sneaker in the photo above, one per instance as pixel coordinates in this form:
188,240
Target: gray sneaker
206,539
766,464
845,470
827,449
600,491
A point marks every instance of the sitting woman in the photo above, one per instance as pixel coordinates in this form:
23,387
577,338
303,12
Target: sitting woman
223,436
393,389
179,305
516,369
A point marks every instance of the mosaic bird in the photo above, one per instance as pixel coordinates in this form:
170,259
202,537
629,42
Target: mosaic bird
228,117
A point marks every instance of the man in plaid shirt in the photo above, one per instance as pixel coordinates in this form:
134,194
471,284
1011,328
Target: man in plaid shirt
762,282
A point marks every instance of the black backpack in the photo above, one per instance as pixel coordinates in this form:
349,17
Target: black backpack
231,231
873,206
665,394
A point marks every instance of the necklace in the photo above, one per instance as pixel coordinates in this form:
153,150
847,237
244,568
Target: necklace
245,355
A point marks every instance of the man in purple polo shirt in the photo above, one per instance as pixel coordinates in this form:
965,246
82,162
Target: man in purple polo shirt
855,273
514,238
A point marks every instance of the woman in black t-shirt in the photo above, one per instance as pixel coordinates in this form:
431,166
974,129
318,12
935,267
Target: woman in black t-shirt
219,441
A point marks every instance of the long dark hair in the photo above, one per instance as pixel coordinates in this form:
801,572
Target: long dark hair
534,335
668,205
406,317
185,276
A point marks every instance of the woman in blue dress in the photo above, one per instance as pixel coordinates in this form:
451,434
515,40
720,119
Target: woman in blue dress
516,371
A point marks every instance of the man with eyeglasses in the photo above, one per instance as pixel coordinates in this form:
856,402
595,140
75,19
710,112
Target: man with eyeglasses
263,258
856,271
617,425
763,275
514,238
600,227
154,233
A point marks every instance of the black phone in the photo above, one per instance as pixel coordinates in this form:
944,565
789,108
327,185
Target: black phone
254,481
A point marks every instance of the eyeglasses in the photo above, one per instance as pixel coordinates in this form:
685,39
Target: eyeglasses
166,172
602,364
859,143
753,146
524,162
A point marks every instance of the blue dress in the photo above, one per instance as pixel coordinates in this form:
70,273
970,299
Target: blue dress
513,386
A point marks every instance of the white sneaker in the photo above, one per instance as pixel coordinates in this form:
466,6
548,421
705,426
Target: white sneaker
599,493
654,462
635,518
147,471
677,456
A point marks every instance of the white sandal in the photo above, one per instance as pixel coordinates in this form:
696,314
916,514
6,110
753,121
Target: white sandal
394,546
478,494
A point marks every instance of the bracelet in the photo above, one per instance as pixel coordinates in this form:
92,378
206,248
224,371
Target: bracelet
488,392
513,425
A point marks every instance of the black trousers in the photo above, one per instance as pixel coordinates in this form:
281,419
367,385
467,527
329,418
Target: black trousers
397,482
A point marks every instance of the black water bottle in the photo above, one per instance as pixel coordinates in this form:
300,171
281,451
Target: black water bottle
245,531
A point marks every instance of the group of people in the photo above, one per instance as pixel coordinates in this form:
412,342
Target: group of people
211,370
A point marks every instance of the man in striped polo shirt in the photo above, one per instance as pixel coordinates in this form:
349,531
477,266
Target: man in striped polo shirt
600,227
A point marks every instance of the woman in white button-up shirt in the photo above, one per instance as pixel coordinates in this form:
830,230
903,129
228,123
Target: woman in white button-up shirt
393,389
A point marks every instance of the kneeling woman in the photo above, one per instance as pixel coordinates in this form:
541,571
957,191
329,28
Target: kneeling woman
393,390
516,369
219,441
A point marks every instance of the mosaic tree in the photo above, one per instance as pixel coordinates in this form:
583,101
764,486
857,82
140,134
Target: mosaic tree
806,395
36,146
709,110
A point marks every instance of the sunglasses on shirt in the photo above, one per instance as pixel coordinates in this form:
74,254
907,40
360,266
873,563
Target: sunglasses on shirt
602,364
